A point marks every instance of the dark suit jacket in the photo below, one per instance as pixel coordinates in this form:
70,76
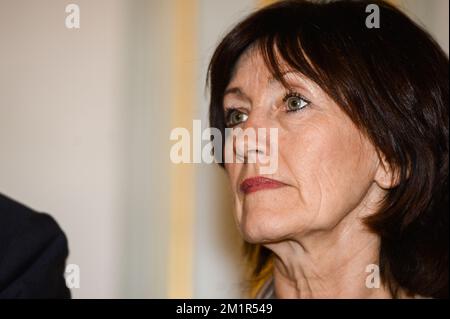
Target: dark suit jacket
33,251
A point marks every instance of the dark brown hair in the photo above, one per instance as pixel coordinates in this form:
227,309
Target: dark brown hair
392,82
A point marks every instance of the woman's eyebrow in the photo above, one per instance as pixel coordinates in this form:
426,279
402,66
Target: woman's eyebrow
237,91
274,78
296,76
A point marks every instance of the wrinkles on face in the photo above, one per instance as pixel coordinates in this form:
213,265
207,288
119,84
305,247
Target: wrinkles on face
313,224
322,156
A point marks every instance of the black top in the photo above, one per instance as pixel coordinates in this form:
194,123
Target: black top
33,251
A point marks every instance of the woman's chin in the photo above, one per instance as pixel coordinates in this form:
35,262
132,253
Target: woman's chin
262,230
258,238
267,225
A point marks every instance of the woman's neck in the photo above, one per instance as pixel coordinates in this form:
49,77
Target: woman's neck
341,263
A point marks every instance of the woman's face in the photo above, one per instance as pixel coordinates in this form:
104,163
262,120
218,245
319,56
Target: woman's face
325,165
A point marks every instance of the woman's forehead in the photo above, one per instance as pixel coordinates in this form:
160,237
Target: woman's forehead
252,66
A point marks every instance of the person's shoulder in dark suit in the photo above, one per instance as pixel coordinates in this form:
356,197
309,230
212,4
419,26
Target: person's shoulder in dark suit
33,252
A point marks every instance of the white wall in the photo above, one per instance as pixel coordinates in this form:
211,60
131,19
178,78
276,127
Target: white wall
78,112
61,128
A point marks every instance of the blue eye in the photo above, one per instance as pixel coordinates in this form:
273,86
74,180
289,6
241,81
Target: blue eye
295,102
234,117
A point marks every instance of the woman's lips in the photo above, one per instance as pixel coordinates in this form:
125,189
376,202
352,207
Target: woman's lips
255,184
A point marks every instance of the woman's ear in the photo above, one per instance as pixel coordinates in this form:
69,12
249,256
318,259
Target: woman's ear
386,177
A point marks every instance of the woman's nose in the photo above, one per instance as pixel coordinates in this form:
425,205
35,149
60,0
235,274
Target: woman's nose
250,143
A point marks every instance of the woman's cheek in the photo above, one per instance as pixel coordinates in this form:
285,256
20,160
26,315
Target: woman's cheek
313,159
